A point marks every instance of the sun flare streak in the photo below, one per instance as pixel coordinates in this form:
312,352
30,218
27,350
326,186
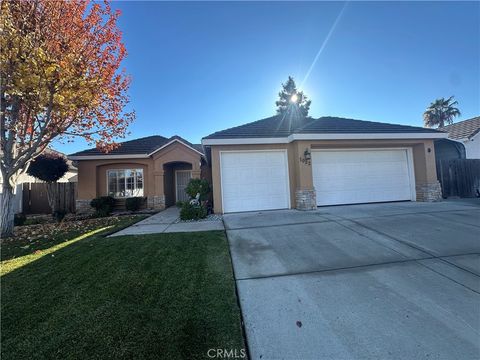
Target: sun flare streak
324,44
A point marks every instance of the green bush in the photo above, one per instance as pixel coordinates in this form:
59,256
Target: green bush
179,203
192,212
196,186
134,203
19,219
103,205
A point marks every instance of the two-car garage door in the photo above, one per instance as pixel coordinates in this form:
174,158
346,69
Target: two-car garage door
254,180
258,180
362,176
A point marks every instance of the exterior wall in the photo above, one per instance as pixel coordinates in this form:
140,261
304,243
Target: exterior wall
92,181
472,147
302,194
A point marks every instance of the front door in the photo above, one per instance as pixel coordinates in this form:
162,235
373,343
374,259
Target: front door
182,177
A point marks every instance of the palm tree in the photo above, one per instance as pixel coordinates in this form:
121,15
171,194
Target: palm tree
441,112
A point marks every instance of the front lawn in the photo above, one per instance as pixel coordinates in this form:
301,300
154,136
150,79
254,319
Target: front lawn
138,297
37,238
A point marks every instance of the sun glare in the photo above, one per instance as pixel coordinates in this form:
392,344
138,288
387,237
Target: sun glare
294,98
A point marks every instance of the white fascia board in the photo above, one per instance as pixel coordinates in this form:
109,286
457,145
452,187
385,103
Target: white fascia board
107,157
293,137
461,141
368,136
171,142
245,141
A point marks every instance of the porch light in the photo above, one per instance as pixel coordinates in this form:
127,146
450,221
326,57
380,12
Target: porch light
307,154
307,157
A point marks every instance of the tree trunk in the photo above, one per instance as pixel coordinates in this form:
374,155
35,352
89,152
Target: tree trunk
6,216
52,196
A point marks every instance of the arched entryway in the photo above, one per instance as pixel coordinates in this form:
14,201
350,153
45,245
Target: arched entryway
176,176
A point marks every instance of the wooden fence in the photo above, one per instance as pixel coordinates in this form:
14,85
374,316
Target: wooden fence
35,199
459,177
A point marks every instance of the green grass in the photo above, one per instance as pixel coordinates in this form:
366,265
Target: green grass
156,296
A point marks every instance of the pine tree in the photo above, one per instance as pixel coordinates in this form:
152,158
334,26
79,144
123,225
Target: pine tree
291,100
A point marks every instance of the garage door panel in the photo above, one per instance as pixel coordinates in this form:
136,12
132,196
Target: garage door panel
254,180
348,177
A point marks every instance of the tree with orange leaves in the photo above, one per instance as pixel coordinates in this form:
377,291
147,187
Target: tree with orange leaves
60,78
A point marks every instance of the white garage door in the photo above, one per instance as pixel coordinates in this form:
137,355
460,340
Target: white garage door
361,176
254,180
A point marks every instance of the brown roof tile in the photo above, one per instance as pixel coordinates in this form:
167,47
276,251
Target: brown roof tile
278,126
141,146
465,129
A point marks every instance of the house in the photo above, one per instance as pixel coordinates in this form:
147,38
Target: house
468,133
154,167
274,163
287,162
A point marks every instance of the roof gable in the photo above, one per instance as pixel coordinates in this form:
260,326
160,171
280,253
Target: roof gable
142,147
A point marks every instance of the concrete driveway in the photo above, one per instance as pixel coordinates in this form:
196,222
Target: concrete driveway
389,281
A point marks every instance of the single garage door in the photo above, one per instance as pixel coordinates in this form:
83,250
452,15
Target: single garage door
362,176
254,180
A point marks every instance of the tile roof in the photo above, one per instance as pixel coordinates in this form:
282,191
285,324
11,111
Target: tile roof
277,126
465,129
141,146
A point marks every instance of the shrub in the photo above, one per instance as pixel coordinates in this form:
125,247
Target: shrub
179,203
198,186
19,219
103,205
49,167
192,212
134,203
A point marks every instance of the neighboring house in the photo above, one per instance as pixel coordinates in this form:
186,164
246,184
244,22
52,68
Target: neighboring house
468,133
154,167
278,163
70,176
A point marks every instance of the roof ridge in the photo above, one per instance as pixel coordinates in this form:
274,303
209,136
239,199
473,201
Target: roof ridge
249,123
364,121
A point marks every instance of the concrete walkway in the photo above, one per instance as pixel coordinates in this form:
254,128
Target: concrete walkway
377,281
166,222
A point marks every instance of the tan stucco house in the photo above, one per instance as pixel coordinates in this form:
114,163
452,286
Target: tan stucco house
276,163
154,167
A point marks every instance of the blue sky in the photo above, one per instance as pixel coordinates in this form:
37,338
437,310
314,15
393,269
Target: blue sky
206,66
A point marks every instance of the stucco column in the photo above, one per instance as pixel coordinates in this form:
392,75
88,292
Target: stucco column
196,174
426,183
86,186
196,169
305,195
157,199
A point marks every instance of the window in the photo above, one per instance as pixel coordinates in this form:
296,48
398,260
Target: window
125,183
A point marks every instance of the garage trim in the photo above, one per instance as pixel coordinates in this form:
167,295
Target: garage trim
287,171
409,152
